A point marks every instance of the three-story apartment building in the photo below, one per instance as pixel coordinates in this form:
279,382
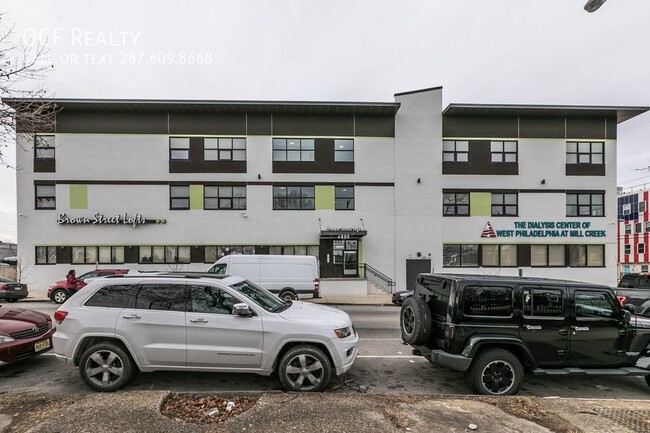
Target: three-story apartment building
634,230
403,187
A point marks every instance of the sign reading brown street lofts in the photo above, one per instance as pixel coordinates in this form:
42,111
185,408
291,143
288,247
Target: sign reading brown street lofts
133,220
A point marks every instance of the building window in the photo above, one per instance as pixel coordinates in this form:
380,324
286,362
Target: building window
111,254
504,151
504,204
638,228
627,249
165,254
455,151
642,206
644,268
45,197
344,198
455,204
44,147
585,204
179,197
581,256
179,148
293,198
343,150
84,255
628,229
224,149
627,209
455,256
293,149
640,249
584,152
499,255
224,197
45,255
547,256
647,226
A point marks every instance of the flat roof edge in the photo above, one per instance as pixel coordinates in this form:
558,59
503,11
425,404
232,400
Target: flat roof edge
410,92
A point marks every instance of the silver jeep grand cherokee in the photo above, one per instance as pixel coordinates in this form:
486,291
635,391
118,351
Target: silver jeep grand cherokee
194,323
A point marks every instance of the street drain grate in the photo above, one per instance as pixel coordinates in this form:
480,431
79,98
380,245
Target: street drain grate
637,421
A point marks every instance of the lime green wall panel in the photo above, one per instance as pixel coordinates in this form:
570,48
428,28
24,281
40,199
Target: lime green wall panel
480,204
78,196
196,196
324,197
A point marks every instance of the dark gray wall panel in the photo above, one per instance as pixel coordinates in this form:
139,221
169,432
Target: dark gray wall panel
374,126
585,169
259,124
116,123
541,128
611,128
288,125
586,128
207,124
492,127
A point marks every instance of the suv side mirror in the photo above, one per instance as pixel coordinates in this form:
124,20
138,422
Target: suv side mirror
242,310
629,307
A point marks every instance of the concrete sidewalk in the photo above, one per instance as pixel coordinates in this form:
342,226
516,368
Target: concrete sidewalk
140,411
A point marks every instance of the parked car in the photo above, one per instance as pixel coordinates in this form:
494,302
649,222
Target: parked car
399,297
494,328
635,289
11,291
124,323
59,292
290,277
23,334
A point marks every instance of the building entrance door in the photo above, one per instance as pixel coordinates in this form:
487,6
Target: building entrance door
350,263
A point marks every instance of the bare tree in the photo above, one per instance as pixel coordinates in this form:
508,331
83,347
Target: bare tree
22,270
23,107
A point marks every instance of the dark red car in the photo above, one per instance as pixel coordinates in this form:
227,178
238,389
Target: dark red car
59,292
23,334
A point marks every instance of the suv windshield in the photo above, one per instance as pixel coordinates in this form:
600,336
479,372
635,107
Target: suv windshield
260,296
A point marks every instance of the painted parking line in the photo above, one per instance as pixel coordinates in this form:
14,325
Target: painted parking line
392,356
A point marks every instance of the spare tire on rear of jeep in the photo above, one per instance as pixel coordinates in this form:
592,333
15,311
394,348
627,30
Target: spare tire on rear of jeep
415,321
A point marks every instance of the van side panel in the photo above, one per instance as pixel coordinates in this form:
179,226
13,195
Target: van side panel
245,267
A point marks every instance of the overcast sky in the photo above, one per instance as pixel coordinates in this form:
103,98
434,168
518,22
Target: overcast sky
480,51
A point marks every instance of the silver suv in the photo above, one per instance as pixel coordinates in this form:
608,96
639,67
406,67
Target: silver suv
195,323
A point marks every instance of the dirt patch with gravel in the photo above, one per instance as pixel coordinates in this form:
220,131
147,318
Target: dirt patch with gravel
27,410
206,409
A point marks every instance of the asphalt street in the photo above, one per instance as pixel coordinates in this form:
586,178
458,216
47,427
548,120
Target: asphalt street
384,365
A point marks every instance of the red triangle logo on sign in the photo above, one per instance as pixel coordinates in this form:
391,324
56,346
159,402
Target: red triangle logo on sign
488,231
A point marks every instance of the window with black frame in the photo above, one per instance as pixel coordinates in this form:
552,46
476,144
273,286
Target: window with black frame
293,198
455,204
45,196
504,204
455,151
585,204
293,149
344,197
179,148
44,147
584,152
224,149
224,197
455,256
45,255
344,150
179,197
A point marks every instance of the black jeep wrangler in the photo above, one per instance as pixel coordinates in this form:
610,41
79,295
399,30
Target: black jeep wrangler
493,328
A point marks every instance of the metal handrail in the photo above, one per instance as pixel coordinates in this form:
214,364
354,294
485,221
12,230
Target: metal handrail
384,282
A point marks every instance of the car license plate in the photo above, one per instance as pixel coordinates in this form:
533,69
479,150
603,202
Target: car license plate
41,345
18,288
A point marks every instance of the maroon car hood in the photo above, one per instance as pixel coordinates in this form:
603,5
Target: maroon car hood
16,319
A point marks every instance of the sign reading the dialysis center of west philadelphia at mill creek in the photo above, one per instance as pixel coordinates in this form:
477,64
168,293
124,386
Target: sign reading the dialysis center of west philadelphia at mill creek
133,220
545,229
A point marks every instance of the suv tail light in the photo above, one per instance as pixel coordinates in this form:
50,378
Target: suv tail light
59,316
621,299
4,287
450,332
316,287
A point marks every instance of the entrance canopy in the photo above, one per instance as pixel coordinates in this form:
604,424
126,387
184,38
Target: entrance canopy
343,233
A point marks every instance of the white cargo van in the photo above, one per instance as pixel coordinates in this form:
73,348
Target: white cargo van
290,277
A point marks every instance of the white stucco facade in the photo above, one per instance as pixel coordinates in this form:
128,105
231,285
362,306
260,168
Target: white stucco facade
398,199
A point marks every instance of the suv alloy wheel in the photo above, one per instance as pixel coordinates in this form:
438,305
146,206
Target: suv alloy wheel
106,367
305,368
59,296
496,372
